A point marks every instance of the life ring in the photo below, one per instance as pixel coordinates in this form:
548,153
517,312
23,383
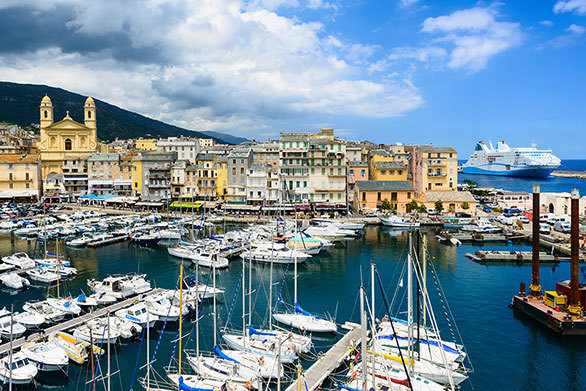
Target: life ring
354,374
385,319
248,384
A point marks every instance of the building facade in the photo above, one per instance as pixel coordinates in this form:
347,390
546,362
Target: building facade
151,175
20,177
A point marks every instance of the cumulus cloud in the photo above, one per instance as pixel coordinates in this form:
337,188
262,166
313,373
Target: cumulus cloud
575,29
546,23
207,65
577,6
473,36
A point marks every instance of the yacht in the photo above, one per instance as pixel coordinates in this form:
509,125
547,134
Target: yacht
48,355
23,371
9,326
137,314
397,222
30,320
14,281
52,315
504,160
19,260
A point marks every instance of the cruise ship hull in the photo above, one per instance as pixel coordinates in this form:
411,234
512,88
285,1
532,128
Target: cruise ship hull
522,171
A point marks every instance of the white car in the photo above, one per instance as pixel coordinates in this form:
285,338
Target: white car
544,228
523,219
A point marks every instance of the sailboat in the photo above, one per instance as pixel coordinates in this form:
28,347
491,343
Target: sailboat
300,318
219,366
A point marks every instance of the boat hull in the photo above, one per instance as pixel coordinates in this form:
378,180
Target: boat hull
501,170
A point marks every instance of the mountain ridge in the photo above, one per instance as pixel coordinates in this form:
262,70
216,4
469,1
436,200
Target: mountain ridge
19,104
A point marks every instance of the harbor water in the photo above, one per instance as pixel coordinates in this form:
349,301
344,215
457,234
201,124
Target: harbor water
508,351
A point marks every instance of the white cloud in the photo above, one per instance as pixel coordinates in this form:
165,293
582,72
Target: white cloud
546,23
210,65
575,29
473,36
408,3
578,6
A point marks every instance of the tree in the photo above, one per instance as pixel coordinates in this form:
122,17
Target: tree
422,208
412,206
465,205
439,206
386,205
470,183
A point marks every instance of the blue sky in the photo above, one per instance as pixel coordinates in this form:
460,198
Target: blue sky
411,71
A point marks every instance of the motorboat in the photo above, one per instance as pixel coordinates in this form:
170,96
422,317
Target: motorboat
14,281
4,267
80,242
9,326
136,282
310,246
23,371
52,315
137,313
347,225
103,298
30,320
19,260
67,305
86,302
145,239
76,349
43,275
111,286
52,262
398,222
199,256
125,328
330,233
162,308
47,354
96,330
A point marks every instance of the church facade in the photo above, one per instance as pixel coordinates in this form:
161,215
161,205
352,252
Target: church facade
65,139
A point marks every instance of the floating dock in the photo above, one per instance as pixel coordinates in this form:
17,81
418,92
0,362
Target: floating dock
74,322
510,256
329,362
560,322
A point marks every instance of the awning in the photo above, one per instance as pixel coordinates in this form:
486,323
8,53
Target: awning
89,196
194,205
252,208
155,204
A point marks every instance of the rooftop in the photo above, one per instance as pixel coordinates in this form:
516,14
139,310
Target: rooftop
390,165
100,156
449,196
384,186
358,163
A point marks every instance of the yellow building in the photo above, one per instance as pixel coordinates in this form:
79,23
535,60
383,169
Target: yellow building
434,168
65,137
452,201
146,144
389,171
221,177
20,177
376,156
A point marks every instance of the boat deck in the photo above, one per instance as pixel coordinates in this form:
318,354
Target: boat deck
71,323
329,362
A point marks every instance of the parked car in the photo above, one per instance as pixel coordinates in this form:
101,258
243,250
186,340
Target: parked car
523,219
487,209
562,226
432,212
463,214
544,229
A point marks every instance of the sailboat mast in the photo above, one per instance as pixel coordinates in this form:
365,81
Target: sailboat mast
57,267
180,317
10,347
249,291
410,304
424,292
295,259
244,295
92,360
363,339
91,350
197,304
373,326
148,353
214,282
271,283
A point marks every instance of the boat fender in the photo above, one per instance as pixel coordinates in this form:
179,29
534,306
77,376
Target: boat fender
248,384
354,374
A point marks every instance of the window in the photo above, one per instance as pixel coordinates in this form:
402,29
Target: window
297,184
384,172
378,196
304,183
409,195
10,176
323,171
68,144
10,185
351,172
27,176
46,114
10,166
394,196
363,172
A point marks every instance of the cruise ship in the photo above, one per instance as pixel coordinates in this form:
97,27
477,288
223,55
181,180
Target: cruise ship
504,160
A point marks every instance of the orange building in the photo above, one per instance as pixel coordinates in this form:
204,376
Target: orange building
369,195
357,171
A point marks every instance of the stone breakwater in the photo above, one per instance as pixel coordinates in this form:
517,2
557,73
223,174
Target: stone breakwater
570,174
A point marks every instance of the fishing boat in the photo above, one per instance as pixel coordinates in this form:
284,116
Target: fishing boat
14,281
48,356
86,302
19,260
23,371
111,286
76,349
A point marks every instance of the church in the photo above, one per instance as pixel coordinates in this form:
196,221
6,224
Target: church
66,138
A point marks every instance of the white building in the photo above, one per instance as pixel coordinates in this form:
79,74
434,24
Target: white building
186,148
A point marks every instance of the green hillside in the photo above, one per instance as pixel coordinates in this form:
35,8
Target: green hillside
19,104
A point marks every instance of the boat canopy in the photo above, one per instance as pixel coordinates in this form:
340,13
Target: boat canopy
253,331
221,354
300,310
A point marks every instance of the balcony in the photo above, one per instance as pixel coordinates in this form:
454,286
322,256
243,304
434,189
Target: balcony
158,185
436,163
436,174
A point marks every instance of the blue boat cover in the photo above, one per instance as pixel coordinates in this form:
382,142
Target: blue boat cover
348,388
185,387
81,298
423,341
300,310
252,331
221,354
